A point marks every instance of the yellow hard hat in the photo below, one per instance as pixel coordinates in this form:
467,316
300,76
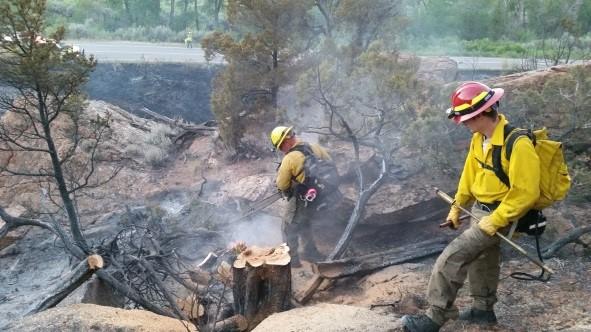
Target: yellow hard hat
279,134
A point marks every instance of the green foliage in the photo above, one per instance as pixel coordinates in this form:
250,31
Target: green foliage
360,22
42,103
442,144
142,20
266,37
228,108
378,96
38,64
149,34
497,27
489,47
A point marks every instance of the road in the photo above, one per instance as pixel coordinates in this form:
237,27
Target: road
486,63
124,51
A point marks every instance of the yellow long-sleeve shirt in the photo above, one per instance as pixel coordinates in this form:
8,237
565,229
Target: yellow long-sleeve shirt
479,183
292,166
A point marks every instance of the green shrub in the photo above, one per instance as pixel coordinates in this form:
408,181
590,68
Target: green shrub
134,150
160,136
155,147
90,30
487,47
155,156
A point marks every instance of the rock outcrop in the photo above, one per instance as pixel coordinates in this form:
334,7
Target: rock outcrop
330,318
89,317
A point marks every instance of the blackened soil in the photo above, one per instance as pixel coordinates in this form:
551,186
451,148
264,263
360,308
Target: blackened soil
174,90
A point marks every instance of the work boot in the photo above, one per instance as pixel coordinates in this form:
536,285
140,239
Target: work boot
477,316
419,323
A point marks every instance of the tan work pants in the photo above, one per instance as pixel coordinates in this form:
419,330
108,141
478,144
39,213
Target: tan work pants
298,219
474,254
296,227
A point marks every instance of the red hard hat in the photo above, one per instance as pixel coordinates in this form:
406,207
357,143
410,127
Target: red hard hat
471,99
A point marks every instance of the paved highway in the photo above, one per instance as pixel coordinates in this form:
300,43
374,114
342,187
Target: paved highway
485,63
124,51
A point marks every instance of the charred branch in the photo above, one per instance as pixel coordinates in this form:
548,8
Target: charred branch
186,126
366,191
131,294
570,237
13,222
82,272
364,264
171,301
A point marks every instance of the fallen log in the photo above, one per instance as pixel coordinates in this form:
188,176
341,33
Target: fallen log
367,263
82,272
186,126
569,237
261,283
234,323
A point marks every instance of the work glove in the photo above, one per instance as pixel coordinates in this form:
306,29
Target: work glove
486,225
453,218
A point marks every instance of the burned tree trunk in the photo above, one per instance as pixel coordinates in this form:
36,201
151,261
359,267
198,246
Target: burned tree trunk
363,264
262,283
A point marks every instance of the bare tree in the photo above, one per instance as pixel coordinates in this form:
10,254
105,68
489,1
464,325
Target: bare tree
196,14
171,14
48,138
365,110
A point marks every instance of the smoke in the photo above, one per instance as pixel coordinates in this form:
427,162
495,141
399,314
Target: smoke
262,231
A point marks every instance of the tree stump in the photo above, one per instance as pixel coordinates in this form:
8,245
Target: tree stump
262,283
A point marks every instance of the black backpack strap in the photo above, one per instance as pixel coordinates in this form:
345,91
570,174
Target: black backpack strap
511,140
306,150
510,135
498,166
497,163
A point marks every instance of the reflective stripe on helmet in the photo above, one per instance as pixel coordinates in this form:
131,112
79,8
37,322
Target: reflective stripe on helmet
473,106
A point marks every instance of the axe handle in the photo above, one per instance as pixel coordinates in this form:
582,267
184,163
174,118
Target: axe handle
515,246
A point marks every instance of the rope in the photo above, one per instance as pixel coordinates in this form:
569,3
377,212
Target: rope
543,277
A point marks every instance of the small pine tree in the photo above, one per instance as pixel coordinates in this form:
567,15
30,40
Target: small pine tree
42,105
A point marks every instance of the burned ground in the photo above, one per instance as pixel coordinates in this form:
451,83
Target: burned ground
173,90
403,212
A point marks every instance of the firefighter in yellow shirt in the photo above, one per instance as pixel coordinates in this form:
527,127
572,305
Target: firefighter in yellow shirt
475,253
303,204
189,40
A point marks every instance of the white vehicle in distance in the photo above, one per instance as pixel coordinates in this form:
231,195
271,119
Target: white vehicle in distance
62,46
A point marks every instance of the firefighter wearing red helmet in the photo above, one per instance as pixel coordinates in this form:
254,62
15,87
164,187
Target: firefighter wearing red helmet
471,99
475,254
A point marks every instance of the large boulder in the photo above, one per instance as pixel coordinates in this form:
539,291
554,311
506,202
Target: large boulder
437,69
89,317
330,318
